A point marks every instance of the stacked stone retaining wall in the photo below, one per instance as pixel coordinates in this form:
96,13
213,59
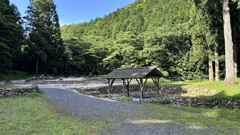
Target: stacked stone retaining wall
184,101
198,102
8,92
164,88
103,90
177,90
206,102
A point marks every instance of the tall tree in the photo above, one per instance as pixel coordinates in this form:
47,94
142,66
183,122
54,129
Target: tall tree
11,33
235,22
216,62
230,76
45,36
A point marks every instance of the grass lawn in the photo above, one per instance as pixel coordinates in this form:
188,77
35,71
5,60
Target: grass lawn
223,90
215,112
6,85
32,115
213,125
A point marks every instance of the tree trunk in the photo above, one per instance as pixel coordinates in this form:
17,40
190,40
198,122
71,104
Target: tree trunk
216,62
235,59
230,78
235,43
210,66
37,65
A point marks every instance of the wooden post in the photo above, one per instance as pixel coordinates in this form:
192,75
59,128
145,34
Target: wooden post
141,88
110,83
159,90
156,81
128,83
109,87
124,86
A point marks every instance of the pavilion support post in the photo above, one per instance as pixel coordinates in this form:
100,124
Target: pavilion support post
127,86
156,81
141,88
110,83
142,85
124,86
109,87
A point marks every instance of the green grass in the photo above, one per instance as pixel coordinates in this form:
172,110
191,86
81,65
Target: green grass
124,98
223,90
97,77
32,115
174,116
14,75
215,112
101,95
6,85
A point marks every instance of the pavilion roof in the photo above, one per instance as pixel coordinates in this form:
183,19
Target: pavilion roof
133,73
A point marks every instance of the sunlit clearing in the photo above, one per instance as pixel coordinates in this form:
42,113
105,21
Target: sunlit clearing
196,127
149,121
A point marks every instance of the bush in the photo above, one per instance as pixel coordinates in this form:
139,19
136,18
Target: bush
14,75
124,98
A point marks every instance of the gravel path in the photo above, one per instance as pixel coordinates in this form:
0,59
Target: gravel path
130,118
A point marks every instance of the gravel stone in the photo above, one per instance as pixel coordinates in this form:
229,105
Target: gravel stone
123,114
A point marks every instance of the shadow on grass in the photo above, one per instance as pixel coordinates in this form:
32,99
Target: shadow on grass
223,94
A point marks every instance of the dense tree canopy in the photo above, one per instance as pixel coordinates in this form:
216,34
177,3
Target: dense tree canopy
44,37
11,37
183,37
180,36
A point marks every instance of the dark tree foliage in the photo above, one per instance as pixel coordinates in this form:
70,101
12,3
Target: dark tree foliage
179,36
44,37
185,38
11,35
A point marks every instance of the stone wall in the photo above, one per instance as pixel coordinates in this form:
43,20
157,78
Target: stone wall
184,101
164,88
178,90
8,92
103,90
199,102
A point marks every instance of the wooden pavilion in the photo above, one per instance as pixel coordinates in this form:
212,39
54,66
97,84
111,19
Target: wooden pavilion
127,74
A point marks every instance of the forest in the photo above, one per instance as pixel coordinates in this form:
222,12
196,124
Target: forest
184,38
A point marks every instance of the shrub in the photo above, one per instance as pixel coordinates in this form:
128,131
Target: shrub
125,98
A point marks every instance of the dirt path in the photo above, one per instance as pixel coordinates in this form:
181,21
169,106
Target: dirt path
128,118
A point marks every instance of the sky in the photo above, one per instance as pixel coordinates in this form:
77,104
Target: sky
75,11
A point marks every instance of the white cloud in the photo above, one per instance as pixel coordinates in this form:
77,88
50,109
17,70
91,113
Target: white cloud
80,21
63,22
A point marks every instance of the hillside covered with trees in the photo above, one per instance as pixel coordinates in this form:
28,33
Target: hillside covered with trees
183,37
